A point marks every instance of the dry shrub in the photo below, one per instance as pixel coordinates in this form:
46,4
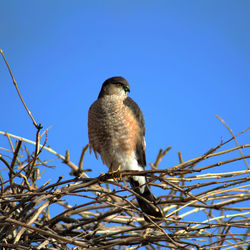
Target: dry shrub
205,206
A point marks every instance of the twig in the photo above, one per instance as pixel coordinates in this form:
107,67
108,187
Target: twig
69,163
80,165
20,96
231,132
159,157
43,232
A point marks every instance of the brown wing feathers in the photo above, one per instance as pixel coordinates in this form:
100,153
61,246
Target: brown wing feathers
149,207
140,145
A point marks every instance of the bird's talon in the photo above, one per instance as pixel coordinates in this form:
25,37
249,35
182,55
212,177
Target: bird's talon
115,174
102,177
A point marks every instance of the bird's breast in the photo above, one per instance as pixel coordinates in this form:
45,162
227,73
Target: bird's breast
113,129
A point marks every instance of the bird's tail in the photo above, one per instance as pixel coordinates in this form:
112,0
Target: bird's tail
148,204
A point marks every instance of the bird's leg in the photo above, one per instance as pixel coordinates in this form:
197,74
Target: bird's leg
115,173
112,174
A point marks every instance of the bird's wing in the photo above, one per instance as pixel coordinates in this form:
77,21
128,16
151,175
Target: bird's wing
140,144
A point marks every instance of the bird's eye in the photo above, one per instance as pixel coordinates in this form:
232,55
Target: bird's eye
118,84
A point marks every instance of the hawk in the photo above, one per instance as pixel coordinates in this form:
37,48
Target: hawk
116,132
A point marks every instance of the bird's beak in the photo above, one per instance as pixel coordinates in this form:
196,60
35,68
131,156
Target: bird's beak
126,88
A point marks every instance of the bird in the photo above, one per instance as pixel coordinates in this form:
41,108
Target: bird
116,131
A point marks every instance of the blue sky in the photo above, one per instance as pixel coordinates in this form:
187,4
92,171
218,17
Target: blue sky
186,62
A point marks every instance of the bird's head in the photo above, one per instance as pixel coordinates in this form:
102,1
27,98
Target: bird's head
114,86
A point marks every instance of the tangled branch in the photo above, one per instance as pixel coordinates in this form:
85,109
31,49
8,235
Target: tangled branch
108,215
205,206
